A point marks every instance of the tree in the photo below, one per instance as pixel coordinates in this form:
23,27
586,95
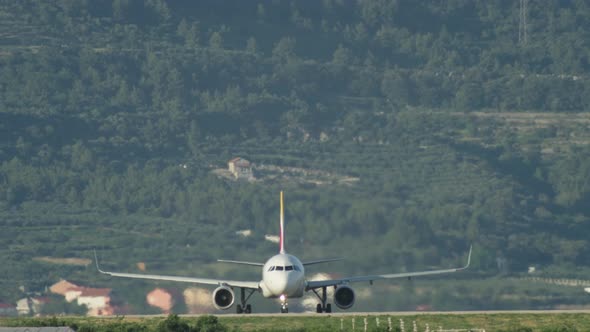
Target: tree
469,97
396,87
342,56
210,323
23,147
120,8
284,50
192,36
57,305
260,13
193,138
374,12
251,45
173,323
81,157
160,9
571,178
216,40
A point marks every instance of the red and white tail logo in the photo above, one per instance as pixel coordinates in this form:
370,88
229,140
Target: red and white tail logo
282,234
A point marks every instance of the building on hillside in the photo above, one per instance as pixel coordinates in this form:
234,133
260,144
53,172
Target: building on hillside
160,298
30,305
272,238
240,168
61,287
23,306
97,300
198,300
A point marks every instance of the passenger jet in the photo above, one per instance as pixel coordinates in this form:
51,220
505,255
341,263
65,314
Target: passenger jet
283,277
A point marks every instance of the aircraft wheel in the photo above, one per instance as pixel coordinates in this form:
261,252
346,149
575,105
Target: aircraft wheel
318,308
328,308
248,309
284,310
239,309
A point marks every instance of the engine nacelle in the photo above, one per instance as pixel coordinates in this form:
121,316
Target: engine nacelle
223,297
344,297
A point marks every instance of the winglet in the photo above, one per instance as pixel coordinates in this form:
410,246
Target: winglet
468,257
96,261
282,227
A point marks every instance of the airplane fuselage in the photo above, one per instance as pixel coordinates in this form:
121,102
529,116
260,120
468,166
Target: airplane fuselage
283,274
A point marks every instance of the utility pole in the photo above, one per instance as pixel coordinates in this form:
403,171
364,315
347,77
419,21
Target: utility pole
522,25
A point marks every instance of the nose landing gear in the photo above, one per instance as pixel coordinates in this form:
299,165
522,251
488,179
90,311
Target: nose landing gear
284,305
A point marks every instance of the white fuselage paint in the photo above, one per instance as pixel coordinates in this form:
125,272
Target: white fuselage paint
277,281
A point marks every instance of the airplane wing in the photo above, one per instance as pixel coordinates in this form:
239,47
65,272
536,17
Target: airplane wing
319,261
204,281
240,262
313,284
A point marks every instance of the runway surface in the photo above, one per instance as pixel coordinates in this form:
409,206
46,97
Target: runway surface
390,313
412,313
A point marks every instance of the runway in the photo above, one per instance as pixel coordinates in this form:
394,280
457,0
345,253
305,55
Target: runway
392,313
414,313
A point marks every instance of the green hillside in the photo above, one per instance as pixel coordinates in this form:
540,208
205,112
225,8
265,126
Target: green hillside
401,132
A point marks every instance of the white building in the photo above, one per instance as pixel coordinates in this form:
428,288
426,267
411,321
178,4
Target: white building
30,305
97,300
240,168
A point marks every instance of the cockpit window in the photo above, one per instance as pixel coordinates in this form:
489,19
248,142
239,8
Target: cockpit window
284,268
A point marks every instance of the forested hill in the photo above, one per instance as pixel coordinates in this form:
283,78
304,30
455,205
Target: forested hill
461,123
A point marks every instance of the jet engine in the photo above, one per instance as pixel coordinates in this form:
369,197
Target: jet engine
223,297
344,297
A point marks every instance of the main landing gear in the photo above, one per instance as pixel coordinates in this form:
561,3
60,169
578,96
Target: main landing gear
322,307
244,308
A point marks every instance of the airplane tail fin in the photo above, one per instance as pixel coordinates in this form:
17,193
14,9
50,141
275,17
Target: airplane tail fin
282,228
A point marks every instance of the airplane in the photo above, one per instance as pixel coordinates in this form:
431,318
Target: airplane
283,277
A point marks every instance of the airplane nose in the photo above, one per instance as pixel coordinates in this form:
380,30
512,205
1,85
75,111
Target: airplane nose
289,285
279,286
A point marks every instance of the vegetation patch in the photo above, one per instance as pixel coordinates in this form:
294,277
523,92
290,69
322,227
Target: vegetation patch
65,261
